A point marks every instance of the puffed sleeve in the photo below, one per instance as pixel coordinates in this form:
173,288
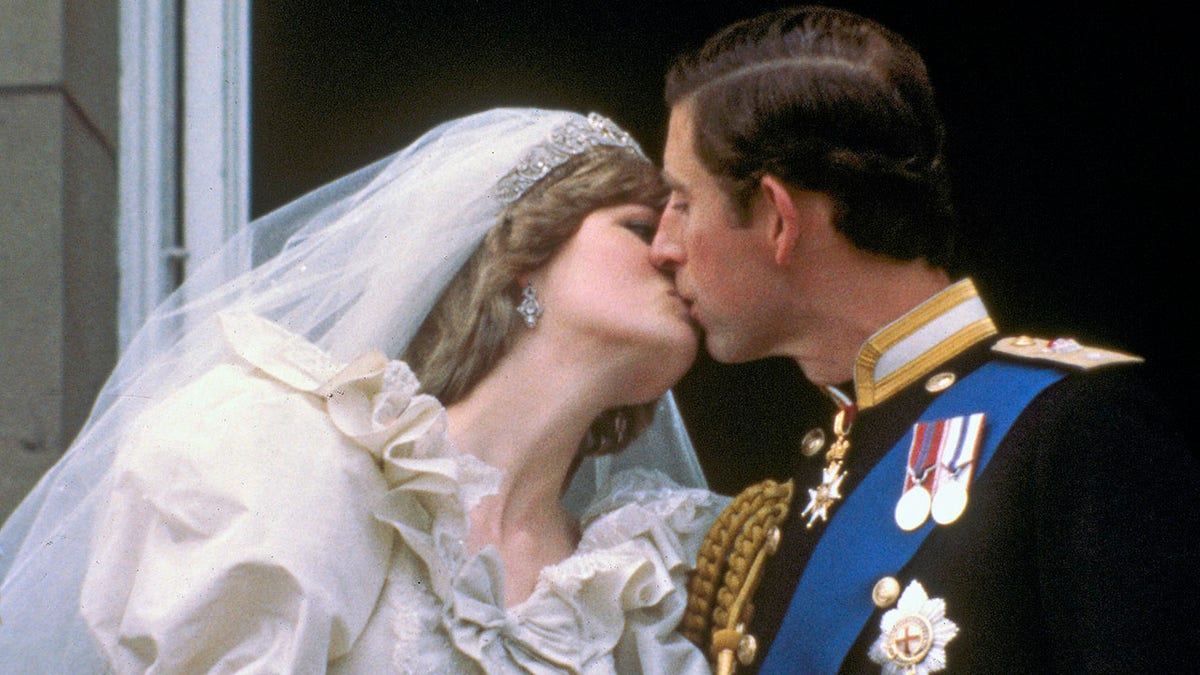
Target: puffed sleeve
239,535
660,527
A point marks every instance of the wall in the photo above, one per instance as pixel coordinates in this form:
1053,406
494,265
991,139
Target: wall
58,275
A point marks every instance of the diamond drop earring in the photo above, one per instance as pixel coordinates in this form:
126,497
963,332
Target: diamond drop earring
530,309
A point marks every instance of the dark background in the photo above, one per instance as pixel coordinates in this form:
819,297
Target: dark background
1070,136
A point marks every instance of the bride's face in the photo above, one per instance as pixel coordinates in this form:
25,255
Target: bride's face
601,292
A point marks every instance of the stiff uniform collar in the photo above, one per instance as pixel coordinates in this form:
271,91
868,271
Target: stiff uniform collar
907,349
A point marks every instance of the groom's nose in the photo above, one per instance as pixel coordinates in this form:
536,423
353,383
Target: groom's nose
666,251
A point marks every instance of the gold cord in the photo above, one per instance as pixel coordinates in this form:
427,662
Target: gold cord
729,569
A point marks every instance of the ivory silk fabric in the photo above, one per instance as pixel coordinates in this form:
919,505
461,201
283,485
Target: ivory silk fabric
286,513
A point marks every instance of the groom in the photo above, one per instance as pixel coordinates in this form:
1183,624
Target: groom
977,502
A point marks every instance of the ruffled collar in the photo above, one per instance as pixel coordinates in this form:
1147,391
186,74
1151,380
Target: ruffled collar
630,555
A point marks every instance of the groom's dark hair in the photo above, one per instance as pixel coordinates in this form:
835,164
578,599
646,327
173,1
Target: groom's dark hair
829,101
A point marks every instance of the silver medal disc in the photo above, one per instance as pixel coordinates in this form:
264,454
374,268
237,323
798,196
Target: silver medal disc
949,503
912,509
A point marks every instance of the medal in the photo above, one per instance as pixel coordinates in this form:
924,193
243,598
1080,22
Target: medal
913,508
956,465
941,460
951,501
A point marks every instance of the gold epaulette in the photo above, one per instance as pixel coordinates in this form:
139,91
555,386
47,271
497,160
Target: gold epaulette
729,569
1063,351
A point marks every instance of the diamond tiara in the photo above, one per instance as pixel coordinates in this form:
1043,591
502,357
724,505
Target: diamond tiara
572,138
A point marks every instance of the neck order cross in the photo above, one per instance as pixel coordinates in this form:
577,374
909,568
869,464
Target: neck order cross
825,495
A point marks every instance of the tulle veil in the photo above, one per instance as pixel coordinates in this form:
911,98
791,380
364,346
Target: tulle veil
352,266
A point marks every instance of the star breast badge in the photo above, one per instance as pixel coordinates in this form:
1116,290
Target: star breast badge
913,635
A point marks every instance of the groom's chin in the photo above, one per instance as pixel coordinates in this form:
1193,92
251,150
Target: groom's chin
728,349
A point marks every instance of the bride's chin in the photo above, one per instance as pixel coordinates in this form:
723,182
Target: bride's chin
675,362
688,347
657,375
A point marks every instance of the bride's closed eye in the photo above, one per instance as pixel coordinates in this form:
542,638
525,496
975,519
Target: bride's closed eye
644,229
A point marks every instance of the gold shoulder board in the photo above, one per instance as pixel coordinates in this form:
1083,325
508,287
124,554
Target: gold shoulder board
1065,351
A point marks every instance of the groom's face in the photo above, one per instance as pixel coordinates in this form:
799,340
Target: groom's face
718,259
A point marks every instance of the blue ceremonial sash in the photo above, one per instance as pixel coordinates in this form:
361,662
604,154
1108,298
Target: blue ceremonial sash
862,543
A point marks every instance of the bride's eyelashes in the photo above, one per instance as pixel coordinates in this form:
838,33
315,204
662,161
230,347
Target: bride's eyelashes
644,229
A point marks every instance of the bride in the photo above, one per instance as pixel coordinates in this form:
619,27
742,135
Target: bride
264,487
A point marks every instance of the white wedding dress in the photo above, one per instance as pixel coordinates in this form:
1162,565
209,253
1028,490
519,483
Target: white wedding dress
287,513
242,499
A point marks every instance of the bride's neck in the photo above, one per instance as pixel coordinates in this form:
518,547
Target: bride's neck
526,417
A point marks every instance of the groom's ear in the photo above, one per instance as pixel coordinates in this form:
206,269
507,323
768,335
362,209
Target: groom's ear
796,217
783,218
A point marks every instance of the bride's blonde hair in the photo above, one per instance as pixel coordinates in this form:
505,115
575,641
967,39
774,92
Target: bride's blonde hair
475,320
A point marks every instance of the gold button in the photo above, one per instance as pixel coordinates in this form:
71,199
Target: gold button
885,592
747,649
812,442
940,382
1023,341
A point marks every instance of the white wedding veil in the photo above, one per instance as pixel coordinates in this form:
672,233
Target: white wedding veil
352,266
